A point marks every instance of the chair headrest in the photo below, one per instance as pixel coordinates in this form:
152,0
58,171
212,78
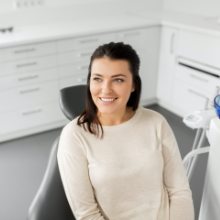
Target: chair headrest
72,100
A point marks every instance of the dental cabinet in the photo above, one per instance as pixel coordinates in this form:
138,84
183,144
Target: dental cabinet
189,70
32,73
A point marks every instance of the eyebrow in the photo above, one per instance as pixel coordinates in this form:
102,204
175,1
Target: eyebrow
114,76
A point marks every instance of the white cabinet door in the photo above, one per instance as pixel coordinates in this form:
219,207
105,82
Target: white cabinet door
200,47
196,77
146,43
168,45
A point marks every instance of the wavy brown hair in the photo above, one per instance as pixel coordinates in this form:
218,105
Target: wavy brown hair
115,51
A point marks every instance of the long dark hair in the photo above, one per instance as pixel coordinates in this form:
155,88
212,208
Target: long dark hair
115,51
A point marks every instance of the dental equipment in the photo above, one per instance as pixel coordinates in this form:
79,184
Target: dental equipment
199,120
217,105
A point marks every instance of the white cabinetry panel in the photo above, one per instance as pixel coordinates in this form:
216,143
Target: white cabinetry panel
200,47
167,65
187,98
27,51
28,78
26,65
189,70
28,118
26,96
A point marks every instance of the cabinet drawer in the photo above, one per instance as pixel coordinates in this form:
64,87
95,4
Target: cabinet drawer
131,37
22,79
74,80
27,51
73,69
84,42
187,98
27,65
200,47
23,97
75,56
198,79
31,117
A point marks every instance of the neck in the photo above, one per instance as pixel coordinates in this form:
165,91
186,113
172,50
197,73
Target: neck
109,119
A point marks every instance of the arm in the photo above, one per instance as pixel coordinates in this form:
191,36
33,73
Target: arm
74,173
175,179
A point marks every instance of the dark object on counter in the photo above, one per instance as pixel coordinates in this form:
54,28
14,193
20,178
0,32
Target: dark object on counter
6,29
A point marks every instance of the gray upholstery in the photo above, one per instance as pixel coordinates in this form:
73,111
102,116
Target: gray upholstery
72,100
50,202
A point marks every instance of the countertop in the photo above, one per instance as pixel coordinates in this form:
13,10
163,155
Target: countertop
47,25
199,23
52,25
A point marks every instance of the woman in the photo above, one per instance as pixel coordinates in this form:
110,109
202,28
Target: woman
119,161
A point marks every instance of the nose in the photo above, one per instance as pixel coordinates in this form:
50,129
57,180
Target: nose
106,87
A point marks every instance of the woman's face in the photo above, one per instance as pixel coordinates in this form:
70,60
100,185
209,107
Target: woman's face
110,85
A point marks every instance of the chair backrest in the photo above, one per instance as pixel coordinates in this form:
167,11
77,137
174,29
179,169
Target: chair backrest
50,202
72,100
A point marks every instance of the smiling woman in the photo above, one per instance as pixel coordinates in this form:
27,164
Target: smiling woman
118,160
111,85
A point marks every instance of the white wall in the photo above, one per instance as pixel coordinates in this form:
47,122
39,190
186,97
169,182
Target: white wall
7,5
56,10
201,7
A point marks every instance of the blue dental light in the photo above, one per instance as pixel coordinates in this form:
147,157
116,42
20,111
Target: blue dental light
217,105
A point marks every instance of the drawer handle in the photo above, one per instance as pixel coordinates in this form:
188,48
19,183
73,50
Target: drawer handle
29,90
197,93
35,111
85,54
86,41
24,50
27,77
26,64
198,78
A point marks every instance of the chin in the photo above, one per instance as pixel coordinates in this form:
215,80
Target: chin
107,110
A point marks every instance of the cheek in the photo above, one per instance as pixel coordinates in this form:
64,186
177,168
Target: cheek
93,90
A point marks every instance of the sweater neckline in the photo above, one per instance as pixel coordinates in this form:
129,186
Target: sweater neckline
123,124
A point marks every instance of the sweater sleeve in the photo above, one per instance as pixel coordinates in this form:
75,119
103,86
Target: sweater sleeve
74,173
175,179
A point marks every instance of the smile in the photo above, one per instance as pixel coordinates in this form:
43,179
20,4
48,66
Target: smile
107,99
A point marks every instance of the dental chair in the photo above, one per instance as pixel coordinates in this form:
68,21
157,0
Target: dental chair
50,202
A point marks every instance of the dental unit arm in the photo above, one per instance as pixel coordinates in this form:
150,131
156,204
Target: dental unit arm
199,120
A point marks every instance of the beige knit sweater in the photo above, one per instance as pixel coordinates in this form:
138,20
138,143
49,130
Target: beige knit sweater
134,173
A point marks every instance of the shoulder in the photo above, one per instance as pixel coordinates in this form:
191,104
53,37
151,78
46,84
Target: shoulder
72,128
155,120
151,115
71,136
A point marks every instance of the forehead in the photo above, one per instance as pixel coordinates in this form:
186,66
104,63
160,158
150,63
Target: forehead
109,66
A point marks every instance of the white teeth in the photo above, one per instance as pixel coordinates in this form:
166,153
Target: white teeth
107,99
